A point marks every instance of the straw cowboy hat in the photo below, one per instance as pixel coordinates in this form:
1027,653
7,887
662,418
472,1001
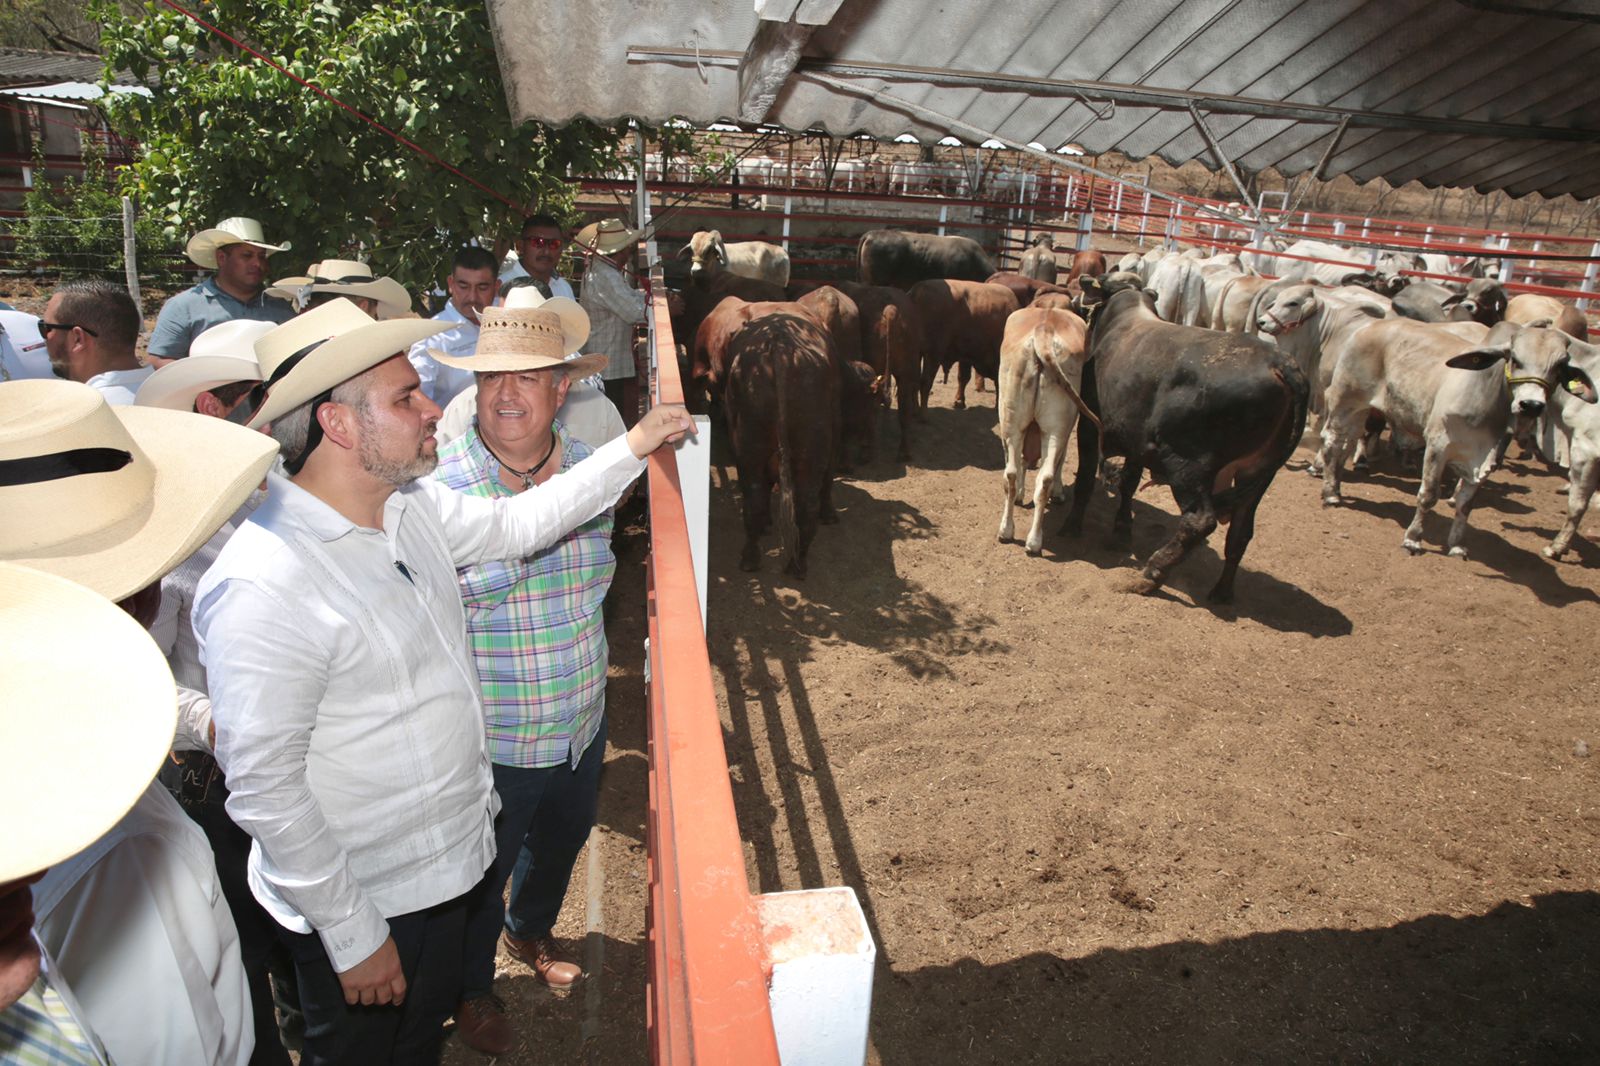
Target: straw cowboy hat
529,333
117,719
606,236
202,247
345,277
220,356
114,497
312,353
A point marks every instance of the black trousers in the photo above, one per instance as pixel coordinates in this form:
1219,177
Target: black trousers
429,943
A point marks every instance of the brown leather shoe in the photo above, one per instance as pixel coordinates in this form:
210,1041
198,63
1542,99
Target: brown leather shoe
544,956
483,1026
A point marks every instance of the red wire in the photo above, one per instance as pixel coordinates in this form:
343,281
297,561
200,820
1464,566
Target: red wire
331,99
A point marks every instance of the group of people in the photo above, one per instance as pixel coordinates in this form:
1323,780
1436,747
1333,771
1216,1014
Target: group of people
357,682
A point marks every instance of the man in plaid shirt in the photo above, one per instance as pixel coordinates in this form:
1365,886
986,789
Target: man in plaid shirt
539,643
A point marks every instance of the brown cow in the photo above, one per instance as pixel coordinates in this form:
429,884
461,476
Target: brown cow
698,300
780,395
1088,262
1039,261
858,411
839,317
891,341
962,323
1025,289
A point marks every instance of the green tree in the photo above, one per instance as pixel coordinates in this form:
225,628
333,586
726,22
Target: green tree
225,134
76,227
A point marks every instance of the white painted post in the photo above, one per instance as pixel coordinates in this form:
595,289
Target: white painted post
1338,227
788,203
944,211
1086,231
1116,210
1366,227
693,457
821,989
1507,266
27,177
1174,225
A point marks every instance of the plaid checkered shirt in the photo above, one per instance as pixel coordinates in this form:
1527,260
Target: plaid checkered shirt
537,635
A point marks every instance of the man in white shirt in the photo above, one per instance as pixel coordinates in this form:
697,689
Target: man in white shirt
91,328
347,709
136,921
539,247
472,287
614,307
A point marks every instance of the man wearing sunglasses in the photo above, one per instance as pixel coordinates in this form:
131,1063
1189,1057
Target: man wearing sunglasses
538,254
90,329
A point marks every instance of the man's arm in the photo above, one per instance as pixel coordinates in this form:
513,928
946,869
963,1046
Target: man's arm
616,296
481,530
173,332
267,670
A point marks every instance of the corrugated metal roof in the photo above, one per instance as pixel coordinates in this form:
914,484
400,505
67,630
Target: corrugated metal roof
1488,94
70,90
35,66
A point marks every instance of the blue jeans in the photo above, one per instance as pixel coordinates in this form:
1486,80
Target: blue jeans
546,813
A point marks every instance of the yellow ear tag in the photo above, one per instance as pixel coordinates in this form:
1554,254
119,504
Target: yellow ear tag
1575,386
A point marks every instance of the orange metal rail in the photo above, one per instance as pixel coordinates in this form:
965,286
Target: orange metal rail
708,968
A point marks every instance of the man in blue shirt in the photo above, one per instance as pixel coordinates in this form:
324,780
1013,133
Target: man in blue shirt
236,249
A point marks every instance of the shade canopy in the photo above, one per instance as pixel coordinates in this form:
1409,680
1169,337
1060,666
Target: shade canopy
1487,94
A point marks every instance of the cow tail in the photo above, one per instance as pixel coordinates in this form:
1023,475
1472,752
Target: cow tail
1290,430
1052,366
788,502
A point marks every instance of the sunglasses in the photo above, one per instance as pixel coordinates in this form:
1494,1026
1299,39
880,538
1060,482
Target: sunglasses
544,242
46,327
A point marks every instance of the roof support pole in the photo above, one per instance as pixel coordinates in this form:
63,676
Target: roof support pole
774,51
1245,199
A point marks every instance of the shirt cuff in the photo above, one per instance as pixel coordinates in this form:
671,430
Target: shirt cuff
194,721
354,940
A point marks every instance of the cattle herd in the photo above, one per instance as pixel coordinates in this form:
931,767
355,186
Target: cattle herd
1198,371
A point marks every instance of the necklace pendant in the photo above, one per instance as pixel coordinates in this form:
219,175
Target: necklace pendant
527,480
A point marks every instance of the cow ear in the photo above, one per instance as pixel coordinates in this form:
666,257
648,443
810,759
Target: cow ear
1453,299
1579,384
1089,282
1153,294
1477,359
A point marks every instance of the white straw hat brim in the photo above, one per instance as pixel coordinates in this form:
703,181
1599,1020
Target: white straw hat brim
391,296
506,362
204,468
176,385
341,358
202,247
116,720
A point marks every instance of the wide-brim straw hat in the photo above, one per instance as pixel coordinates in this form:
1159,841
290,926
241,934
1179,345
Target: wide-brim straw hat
529,333
114,497
202,247
347,341
345,277
606,236
220,356
116,720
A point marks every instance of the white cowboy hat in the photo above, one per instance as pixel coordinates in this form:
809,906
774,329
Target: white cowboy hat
117,719
346,277
114,497
202,247
529,333
606,236
221,355
333,343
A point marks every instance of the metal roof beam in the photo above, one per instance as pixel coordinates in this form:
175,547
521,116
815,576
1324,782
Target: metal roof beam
784,29
1139,96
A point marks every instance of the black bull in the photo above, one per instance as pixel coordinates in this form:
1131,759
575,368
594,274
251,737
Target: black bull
1213,415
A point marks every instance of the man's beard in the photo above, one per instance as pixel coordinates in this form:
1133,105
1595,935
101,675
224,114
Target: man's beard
398,473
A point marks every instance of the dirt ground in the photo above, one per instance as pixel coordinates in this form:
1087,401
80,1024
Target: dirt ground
1347,819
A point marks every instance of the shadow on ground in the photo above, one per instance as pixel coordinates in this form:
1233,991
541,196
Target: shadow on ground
1514,985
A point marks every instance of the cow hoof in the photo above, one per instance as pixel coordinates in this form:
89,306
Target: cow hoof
1220,597
1003,537
1361,466
1314,471
829,518
1457,552
1332,501
1034,549
1550,553
1142,586
960,405
795,569
1412,546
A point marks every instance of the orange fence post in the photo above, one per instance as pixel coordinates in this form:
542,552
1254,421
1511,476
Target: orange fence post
708,995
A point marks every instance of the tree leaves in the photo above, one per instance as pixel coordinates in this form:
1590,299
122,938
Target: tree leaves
226,134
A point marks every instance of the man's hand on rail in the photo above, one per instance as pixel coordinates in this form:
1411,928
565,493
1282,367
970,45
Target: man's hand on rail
665,423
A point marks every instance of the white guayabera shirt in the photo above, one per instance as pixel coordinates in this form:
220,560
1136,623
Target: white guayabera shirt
347,707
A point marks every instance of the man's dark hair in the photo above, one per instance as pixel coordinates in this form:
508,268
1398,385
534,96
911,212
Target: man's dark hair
103,307
227,394
473,258
539,221
521,281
